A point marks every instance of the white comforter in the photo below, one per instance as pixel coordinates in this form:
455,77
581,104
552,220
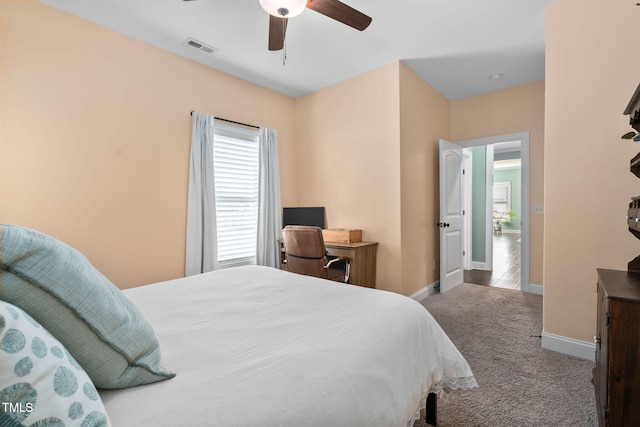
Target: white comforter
259,346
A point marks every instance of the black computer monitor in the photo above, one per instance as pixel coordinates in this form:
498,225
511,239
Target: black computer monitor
313,216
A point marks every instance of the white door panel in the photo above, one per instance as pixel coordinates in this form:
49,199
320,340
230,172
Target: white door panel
451,216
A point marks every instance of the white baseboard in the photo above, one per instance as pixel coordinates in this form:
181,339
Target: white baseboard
426,291
564,345
536,289
507,231
478,265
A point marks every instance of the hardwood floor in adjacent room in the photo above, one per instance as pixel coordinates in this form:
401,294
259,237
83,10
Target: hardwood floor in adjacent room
506,264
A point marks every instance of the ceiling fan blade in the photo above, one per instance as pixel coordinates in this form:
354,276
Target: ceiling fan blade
277,30
340,12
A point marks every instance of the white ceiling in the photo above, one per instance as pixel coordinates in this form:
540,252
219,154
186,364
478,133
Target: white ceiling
507,147
507,164
454,45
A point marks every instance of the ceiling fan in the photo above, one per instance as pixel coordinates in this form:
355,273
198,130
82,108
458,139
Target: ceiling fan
281,10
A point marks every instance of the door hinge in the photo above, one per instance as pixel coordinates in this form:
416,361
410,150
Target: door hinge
463,171
464,253
608,318
463,212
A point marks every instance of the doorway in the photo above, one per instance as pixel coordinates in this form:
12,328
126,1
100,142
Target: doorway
503,181
502,256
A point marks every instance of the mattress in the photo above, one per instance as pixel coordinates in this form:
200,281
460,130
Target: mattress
256,345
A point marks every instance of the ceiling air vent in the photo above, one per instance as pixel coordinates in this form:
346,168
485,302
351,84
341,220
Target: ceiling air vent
200,46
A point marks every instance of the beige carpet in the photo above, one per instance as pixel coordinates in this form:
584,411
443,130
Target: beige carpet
498,332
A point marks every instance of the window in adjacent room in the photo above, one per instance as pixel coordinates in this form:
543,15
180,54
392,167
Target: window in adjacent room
235,152
502,201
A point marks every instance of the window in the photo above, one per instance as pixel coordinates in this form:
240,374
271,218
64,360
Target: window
502,201
235,159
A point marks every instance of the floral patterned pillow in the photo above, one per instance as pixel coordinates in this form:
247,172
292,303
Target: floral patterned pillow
42,385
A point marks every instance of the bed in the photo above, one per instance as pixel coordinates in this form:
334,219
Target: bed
256,345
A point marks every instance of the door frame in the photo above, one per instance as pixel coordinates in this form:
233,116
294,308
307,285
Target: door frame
523,137
488,224
467,188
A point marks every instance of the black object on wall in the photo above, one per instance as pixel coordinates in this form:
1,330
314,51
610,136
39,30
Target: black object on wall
633,214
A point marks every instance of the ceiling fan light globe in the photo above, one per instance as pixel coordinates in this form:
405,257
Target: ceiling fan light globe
284,8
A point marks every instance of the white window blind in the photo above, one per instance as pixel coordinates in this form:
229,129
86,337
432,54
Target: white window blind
236,182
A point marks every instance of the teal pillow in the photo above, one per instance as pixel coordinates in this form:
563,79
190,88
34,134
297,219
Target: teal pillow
96,322
41,382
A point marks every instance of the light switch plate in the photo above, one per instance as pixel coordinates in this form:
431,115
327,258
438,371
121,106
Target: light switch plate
538,209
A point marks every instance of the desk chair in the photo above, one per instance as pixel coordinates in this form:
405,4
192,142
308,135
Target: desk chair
305,254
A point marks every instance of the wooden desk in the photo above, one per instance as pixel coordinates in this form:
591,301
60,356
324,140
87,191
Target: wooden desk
362,256
363,260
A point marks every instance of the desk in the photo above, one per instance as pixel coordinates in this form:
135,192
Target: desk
363,260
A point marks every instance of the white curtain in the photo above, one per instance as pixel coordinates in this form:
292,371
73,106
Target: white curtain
201,253
269,208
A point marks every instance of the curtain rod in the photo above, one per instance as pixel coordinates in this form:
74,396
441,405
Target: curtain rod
234,122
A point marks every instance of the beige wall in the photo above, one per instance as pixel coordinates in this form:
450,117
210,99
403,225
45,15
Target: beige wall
368,152
105,169
95,138
516,109
592,72
424,119
349,154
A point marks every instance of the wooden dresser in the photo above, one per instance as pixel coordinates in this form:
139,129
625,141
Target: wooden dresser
616,375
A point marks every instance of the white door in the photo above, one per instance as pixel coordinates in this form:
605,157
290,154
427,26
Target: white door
451,216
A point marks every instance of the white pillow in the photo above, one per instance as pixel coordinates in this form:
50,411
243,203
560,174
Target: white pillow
41,382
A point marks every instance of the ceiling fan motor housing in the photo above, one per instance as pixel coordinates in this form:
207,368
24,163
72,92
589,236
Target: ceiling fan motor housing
284,8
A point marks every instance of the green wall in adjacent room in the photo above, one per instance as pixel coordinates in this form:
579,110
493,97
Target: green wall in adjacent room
479,204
